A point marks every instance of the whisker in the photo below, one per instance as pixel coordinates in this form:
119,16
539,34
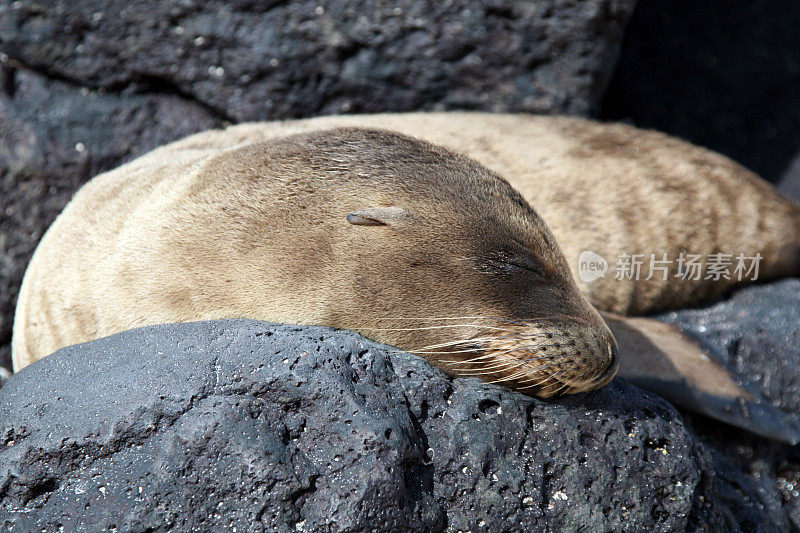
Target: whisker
579,378
499,354
481,374
526,372
508,378
562,354
519,321
513,364
556,377
485,366
472,360
496,319
583,375
550,376
427,349
517,361
568,383
460,341
500,367
515,375
443,326
431,352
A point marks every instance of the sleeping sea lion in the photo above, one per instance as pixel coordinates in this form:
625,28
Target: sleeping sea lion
196,229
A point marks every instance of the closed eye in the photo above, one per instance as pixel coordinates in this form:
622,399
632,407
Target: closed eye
506,263
525,265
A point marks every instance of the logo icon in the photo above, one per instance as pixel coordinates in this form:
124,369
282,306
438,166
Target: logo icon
591,266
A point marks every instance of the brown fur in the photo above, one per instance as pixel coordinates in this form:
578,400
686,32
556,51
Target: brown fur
608,188
438,249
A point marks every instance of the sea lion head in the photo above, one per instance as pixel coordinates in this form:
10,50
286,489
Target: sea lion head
424,249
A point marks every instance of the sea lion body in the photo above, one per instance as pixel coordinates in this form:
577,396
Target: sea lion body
607,188
403,241
131,248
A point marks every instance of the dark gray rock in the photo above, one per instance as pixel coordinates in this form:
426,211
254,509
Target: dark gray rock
251,60
789,184
246,424
617,459
55,136
213,426
756,334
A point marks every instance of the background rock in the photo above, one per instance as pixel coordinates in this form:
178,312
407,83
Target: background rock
789,184
756,333
54,136
725,75
85,86
278,59
247,424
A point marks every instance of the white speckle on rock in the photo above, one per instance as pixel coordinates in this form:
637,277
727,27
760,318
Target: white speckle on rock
528,501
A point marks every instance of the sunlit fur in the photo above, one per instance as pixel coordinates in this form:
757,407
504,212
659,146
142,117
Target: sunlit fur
135,247
343,228
606,187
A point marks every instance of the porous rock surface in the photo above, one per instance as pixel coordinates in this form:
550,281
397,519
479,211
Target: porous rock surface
264,427
257,60
756,335
85,86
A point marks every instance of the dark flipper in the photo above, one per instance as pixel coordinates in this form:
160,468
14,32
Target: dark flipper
661,358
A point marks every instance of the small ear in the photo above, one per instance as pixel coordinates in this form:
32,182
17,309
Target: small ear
377,216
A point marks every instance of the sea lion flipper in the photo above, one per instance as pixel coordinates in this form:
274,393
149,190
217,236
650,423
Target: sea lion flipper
661,358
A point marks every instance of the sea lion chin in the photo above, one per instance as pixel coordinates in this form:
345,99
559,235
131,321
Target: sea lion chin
403,241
